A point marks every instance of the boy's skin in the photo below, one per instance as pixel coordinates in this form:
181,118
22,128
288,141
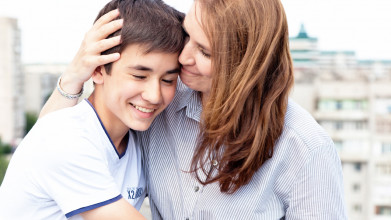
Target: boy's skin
139,87
136,79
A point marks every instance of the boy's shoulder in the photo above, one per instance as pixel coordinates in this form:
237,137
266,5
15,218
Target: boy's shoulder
71,119
74,113
69,126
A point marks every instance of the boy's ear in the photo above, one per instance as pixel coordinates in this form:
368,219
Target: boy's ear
97,76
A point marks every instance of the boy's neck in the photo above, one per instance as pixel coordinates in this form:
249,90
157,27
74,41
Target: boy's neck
121,148
117,131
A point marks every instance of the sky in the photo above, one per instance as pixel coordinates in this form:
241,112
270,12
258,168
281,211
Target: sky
52,30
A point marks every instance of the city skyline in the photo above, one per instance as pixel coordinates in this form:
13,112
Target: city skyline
52,31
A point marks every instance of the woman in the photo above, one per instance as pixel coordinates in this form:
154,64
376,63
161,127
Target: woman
232,145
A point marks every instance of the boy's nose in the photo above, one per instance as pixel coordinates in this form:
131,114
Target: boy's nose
152,93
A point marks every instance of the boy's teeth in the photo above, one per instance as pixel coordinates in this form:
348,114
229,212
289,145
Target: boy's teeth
144,109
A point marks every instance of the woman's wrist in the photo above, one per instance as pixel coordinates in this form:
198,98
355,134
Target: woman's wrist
66,94
70,85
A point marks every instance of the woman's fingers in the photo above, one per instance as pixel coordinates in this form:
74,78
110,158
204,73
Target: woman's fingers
109,28
106,18
105,59
94,43
105,44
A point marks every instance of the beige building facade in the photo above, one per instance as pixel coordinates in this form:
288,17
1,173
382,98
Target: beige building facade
11,82
351,100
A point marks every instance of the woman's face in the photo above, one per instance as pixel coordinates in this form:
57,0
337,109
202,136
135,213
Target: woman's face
195,57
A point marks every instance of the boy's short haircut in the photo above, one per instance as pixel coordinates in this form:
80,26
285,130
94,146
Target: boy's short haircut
150,23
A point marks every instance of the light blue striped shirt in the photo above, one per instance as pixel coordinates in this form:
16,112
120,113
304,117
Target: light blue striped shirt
303,179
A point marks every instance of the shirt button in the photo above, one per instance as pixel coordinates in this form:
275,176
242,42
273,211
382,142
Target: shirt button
214,162
196,188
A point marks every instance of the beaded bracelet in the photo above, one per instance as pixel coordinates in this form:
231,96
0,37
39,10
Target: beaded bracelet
67,95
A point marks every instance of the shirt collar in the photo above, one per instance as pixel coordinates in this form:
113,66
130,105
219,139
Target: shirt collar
189,100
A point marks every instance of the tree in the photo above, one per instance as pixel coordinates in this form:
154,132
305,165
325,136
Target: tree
3,167
5,148
31,118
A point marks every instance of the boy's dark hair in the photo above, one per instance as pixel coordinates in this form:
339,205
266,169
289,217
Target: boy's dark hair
151,23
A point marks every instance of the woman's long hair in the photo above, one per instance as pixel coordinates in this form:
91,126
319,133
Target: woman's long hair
252,67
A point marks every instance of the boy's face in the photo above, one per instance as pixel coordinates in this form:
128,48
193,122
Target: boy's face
139,87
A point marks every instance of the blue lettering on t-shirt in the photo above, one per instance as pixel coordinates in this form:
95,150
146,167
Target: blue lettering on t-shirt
135,192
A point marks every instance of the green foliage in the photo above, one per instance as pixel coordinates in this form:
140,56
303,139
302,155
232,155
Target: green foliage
3,167
31,118
5,148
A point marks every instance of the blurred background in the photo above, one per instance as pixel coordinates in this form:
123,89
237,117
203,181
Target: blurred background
341,51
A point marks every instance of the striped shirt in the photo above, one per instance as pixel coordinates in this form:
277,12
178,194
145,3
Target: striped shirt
303,179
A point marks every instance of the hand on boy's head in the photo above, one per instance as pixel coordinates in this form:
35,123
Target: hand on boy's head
89,57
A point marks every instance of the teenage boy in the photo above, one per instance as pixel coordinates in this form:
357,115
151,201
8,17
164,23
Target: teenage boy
83,162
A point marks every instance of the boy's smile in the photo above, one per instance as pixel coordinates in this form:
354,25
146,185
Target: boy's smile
138,88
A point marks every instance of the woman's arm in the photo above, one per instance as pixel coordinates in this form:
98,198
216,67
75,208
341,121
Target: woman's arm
86,60
317,192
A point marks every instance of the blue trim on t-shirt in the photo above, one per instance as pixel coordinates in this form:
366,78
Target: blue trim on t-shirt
87,208
111,141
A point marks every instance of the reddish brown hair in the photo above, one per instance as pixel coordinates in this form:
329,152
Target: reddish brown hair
253,75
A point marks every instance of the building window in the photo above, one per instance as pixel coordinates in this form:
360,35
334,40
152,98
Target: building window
357,167
338,105
356,187
361,125
383,169
357,207
386,148
383,210
383,126
338,145
338,125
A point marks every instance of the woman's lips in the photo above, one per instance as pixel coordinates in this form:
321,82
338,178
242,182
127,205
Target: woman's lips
188,72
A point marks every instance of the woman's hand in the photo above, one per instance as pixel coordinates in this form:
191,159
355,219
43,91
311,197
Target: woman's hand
86,60
89,55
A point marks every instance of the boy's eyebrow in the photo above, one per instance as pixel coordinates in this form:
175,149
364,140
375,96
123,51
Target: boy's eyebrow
144,68
176,70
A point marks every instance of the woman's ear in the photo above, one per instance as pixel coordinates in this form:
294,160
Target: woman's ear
97,76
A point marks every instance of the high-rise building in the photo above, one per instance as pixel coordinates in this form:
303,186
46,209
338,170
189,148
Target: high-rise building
351,99
11,82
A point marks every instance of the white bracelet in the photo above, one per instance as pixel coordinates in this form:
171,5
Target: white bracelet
67,95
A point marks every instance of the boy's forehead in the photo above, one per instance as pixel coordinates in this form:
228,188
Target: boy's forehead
136,57
144,49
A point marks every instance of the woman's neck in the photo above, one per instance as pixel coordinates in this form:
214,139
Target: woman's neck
204,98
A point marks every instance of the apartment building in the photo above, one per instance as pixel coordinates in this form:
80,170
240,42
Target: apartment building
11,82
351,99
41,79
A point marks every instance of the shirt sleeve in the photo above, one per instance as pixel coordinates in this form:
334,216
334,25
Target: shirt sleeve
75,174
317,192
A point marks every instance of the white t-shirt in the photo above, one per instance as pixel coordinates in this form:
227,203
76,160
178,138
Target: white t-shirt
67,164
